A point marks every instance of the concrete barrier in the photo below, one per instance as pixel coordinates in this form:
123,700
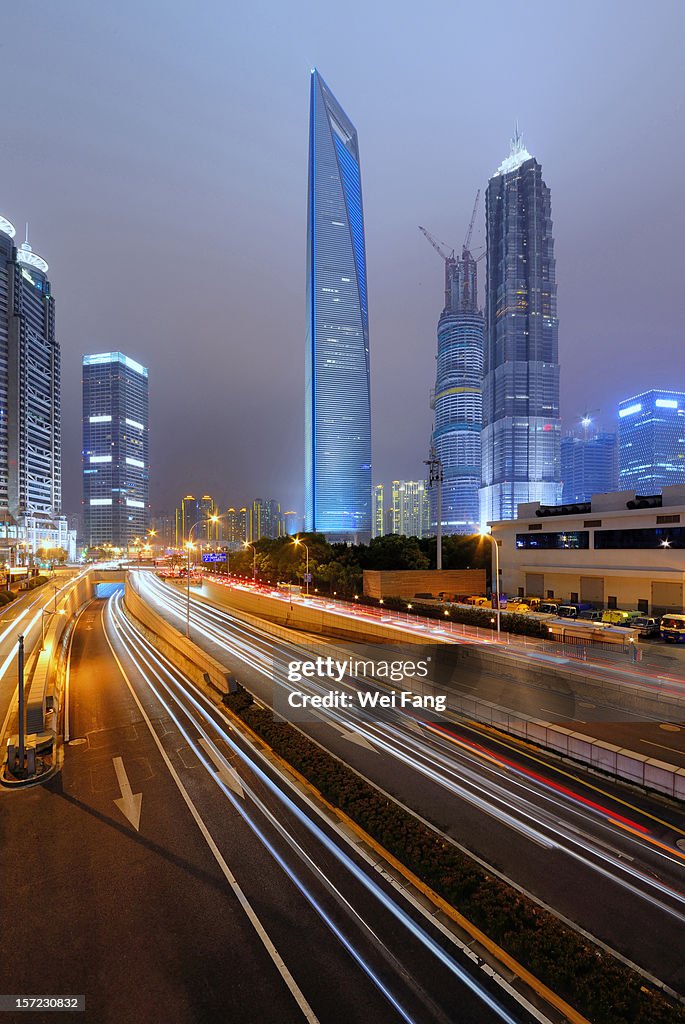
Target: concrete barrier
194,662
614,761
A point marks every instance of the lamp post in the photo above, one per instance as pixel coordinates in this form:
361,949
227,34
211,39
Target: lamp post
300,543
497,598
189,548
250,544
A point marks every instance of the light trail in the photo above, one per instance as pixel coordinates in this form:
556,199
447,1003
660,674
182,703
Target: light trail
149,662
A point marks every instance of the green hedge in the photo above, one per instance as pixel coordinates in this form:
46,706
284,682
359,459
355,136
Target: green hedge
6,596
592,981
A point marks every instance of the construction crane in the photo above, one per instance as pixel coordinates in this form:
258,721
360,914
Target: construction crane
467,241
450,263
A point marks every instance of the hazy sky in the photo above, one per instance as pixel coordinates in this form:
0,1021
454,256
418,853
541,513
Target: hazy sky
159,151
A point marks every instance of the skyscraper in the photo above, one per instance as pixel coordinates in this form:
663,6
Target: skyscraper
116,469
377,522
265,519
337,397
209,532
589,465
521,426
235,530
651,441
30,403
457,398
410,508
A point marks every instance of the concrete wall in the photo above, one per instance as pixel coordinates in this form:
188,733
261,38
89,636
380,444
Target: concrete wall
198,666
410,582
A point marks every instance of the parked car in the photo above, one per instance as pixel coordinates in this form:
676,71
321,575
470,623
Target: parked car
572,611
619,617
549,607
646,626
590,615
673,628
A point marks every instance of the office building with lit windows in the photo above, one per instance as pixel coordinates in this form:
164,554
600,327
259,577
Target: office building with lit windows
651,441
521,426
410,508
115,457
589,465
30,407
377,521
337,395
235,526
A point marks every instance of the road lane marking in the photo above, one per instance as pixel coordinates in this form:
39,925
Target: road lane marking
296,992
129,803
654,842
675,750
226,773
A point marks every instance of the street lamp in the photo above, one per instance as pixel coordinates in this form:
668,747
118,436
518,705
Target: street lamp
497,599
300,543
250,544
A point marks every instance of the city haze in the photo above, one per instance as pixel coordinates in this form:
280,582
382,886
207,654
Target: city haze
160,156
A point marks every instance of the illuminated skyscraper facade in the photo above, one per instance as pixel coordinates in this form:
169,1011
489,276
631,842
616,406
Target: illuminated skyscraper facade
410,508
457,398
337,394
589,465
116,471
651,441
30,406
521,425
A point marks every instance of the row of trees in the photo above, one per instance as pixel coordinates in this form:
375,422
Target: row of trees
338,568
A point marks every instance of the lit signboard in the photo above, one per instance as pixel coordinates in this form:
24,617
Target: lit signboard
214,556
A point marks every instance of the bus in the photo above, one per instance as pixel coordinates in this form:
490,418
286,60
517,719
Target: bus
673,628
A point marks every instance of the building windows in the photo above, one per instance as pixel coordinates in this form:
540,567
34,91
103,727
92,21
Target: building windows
673,537
668,519
571,539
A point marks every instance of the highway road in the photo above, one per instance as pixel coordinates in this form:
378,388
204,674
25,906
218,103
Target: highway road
597,853
170,873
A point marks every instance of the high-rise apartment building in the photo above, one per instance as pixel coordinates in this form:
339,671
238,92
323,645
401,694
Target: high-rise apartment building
116,470
521,426
209,532
235,528
265,519
377,521
651,441
589,465
337,396
30,397
457,398
187,514
410,508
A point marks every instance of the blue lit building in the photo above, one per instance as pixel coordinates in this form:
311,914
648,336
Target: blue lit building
589,465
651,441
30,406
457,399
115,456
337,399
521,425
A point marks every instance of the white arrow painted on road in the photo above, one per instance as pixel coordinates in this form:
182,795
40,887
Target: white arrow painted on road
227,774
129,803
356,737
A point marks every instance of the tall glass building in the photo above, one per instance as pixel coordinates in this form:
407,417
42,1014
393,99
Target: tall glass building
521,425
30,405
337,398
589,465
651,441
457,399
115,458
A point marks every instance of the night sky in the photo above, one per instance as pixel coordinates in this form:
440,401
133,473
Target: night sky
159,152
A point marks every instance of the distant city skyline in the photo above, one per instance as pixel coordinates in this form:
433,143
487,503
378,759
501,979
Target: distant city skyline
163,183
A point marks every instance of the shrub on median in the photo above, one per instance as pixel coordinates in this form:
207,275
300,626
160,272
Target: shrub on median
594,982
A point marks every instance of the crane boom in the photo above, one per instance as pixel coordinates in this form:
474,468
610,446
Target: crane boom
438,246
467,241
